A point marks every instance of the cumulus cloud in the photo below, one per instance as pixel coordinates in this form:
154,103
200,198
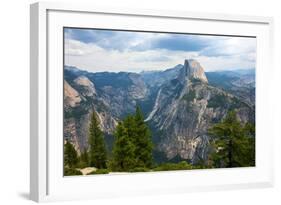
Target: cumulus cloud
96,59
227,46
101,50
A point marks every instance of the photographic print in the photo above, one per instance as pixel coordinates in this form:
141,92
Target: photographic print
137,101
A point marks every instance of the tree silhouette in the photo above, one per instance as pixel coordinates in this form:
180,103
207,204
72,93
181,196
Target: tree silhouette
123,150
70,155
97,150
142,141
233,144
133,144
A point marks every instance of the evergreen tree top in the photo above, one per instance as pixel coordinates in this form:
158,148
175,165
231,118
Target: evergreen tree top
139,115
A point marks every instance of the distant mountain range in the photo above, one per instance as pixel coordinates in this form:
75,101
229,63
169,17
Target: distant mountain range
180,104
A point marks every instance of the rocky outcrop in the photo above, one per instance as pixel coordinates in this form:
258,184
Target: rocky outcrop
114,97
76,129
193,70
138,89
87,87
122,92
71,96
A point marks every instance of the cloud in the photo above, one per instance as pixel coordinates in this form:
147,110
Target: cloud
100,50
216,63
77,48
94,58
114,40
128,40
180,42
227,46
87,35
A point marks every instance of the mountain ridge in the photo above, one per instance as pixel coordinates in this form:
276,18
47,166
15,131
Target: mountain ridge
182,102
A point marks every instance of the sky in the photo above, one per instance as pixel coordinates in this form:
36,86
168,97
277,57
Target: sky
107,50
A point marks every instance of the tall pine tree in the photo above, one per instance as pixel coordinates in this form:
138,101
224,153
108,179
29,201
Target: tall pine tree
97,150
84,158
123,150
70,155
133,144
248,149
142,141
233,143
130,125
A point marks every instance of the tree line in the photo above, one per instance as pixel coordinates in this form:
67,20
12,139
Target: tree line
232,144
132,147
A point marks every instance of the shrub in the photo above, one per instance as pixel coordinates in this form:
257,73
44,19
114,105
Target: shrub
189,96
216,101
81,165
196,80
71,172
99,171
140,169
70,155
183,165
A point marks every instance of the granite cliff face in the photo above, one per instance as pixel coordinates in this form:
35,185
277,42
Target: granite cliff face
111,95
184,110
87,88
71,96
192,70
180,104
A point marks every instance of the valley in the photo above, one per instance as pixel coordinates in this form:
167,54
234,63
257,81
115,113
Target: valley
180,105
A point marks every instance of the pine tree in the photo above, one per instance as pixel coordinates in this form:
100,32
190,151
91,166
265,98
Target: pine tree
70,155
249,153
123,150
142,141
84,158
130,124
97,150
233,145
133,144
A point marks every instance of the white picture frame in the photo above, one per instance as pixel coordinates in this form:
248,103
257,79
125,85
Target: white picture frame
46,179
